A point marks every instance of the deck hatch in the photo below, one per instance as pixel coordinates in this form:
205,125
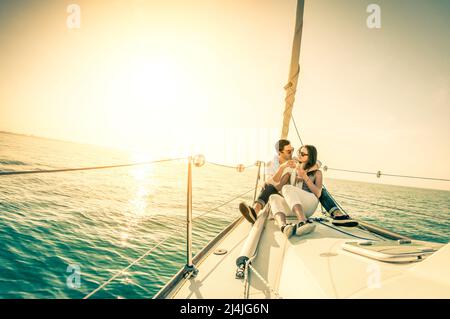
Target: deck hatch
390,250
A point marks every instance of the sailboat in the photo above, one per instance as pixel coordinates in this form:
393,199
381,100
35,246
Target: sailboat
247,261
257,261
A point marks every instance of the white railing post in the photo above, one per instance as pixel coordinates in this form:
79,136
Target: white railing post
190,269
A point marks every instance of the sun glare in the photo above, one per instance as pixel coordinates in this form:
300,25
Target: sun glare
140,94
152,102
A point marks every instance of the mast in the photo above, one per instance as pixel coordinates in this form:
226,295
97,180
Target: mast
291,86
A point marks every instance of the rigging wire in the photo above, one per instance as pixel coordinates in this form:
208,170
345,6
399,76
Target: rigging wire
296,129
87,168
391,175
229,166
109,166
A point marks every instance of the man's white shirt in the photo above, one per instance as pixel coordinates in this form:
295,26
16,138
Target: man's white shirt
272,167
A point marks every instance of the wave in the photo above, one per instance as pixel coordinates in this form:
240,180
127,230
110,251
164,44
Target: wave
12,162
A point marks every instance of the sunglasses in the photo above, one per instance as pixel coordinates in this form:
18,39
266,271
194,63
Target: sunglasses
304,154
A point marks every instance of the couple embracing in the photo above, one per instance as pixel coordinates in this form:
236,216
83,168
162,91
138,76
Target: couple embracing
294,188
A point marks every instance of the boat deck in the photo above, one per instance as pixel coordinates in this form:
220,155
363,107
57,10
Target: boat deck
312,266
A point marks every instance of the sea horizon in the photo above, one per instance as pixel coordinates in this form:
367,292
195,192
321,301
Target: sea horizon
126,151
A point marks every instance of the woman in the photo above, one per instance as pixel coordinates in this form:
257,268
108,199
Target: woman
301,190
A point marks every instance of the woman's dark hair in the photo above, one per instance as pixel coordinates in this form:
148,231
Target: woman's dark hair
312,156
279,146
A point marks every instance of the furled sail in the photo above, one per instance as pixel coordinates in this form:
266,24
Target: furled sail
291,86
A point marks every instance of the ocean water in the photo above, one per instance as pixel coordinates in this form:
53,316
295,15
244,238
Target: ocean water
54,227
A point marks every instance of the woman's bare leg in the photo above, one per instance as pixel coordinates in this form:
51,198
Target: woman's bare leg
298,210
280,218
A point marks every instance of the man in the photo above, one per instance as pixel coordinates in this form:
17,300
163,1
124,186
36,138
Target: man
275,169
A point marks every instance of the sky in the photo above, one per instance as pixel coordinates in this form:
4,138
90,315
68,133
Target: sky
170,78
